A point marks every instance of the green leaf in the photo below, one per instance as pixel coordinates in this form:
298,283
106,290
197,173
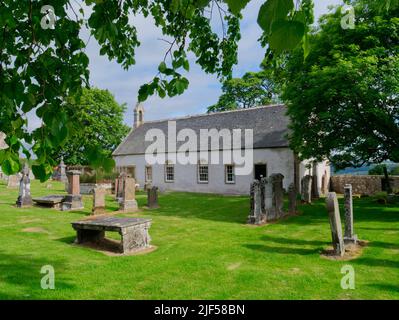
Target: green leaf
10,166
162,67
273,10
236,6
286,35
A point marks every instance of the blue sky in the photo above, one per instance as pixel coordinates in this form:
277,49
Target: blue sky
204,89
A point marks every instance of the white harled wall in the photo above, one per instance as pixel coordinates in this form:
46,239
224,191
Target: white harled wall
278,160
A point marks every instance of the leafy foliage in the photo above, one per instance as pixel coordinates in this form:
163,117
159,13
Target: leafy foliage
377,170
343,99
97,126
39,68
252,90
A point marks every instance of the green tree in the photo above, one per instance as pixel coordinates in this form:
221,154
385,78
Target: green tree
377,170
343,99
97,121
42,63
394,171
252,90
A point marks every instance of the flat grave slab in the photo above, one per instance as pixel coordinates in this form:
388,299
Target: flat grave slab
52,201
133,231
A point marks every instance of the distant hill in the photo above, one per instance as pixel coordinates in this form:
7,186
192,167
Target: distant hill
360,171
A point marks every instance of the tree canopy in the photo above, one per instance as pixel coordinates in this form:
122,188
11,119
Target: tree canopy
252,90
343,98
97,122
43,60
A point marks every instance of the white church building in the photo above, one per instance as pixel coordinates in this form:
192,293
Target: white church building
171,141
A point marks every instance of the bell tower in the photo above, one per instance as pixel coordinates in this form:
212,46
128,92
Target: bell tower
138,115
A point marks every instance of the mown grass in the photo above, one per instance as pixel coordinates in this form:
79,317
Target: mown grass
204,251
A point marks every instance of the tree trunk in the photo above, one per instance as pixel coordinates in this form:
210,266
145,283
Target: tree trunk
387,182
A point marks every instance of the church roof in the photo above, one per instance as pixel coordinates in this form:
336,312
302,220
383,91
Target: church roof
269,125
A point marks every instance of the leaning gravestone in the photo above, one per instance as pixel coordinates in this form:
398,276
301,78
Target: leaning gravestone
256,216
98,201
292,203
306,189
129,203
24,198
121,186
152,198
13,181
73,201
349,236
335,224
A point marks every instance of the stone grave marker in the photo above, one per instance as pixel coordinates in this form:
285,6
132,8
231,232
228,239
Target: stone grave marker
349,235
13,181
335,224
129,203
292,202
98,200
152,198
306,189
24,197
256,215
73,201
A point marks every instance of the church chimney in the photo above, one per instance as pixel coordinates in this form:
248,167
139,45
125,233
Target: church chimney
138,115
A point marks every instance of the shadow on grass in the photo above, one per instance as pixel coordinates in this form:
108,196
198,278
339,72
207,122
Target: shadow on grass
23,273
282,250
385,287
67,240
377,262
298,242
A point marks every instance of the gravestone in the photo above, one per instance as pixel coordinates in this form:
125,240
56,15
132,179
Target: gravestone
335,224
256,216
129,203
116,187
121,186
292,203
306,189
13,181
24,198
73,201
98,201
152,198
276,181
349,236
63,176
315,188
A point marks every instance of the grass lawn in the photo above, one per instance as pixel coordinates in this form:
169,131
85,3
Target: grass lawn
204,251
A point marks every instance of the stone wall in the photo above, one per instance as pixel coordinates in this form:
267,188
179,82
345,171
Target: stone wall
367,185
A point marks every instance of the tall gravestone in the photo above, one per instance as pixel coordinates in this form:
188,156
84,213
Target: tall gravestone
152,198
121,186
73,201
306,189
349,234
315,188
256,216
63,176
278,194
129,203
335,224
13,181
98,200
24,197
292,203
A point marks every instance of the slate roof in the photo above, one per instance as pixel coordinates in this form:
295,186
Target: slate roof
269,124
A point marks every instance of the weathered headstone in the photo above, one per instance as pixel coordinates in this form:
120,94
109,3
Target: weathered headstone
349,235
63,176
152,198
98,201
256,216
335,224
276,181
292,202
315,188
129,203
116,187
13,181
306,189
73,200
24,197
121,186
